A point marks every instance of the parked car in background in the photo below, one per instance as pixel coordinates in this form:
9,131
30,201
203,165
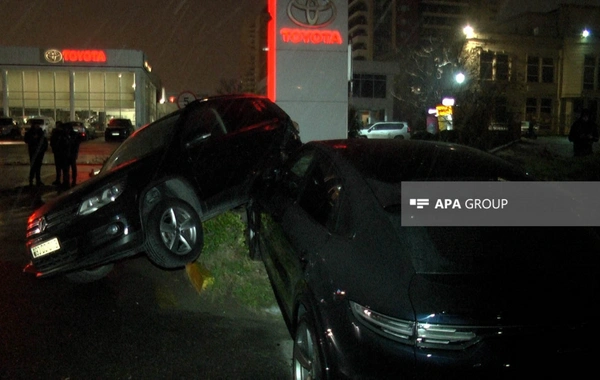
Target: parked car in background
45,122
80,128
118,129
9,128
90,130
386,130
364,297
153,193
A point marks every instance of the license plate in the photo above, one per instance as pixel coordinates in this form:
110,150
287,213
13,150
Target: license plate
45,248
115,133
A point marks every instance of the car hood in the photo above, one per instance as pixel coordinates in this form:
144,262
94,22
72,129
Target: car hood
136,173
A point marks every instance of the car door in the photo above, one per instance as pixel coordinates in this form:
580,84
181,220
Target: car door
299,222
224,143
378,131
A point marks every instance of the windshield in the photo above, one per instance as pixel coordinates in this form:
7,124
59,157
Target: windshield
146,140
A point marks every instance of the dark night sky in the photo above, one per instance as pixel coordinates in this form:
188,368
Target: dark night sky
191,44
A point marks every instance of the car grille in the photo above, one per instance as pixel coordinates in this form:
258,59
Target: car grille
50,221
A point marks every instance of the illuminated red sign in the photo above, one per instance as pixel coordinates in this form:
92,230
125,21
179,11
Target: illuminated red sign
84,55
72,55
311,36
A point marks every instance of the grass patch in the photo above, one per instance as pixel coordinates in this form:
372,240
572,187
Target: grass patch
225,256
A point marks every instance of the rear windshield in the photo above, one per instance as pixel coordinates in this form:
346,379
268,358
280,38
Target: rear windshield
498,250
119,123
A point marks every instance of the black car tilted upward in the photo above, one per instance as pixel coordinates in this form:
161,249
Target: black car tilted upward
154,191
367,298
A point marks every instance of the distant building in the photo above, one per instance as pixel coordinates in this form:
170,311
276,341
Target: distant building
381,30
551,67
90,85
550,70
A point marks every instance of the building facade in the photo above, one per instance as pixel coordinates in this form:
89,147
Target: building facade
78,85
380,31
549,61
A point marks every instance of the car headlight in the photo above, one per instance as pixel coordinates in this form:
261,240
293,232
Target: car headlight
416,333
101,198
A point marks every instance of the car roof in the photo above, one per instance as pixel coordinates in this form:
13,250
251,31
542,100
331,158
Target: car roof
392,160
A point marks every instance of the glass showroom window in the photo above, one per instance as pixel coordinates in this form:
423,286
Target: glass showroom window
589,69
100,96
120,95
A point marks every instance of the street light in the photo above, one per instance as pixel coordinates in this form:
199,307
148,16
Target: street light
585,33
469,31
459,78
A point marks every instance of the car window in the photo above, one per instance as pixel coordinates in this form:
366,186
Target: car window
321,192
202,123
294,173
496,250
145,141
119,123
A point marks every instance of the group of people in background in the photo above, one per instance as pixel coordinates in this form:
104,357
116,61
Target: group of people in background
64,142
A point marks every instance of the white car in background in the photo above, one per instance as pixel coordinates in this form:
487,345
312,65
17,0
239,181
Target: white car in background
386,130
45,122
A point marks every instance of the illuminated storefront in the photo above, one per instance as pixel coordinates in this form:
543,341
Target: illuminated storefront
78,84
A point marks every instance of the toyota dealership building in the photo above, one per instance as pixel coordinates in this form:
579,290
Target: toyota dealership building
67,84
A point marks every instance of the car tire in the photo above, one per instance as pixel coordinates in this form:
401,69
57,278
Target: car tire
252,231
174,234
90,275
306,357
399,137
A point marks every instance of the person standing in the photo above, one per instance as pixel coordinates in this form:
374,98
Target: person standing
37,144
583,134
60,142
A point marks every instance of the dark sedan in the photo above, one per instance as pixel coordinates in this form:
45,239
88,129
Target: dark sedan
118,129
158,186
364,297
78,127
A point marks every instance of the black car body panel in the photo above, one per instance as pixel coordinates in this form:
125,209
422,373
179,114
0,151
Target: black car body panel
493,303
176,157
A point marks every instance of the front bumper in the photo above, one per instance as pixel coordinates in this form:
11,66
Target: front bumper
84,241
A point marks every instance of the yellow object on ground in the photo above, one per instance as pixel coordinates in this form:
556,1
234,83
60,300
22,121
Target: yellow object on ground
199,276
